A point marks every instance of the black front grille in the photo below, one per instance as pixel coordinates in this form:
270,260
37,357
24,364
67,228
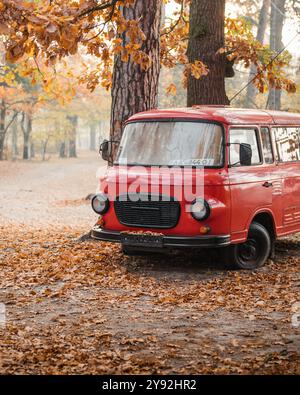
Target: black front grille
147,212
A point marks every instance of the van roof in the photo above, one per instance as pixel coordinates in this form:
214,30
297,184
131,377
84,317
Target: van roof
223,114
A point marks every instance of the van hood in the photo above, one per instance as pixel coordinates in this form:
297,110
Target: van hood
120,180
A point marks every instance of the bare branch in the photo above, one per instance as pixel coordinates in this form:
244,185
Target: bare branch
11,121
173,27
100,7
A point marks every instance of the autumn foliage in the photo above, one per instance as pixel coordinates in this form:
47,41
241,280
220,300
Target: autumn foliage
51,31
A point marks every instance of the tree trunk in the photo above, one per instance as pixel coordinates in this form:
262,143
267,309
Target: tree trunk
73,135
135,90
32,150
92,137
26,148
27,129
277,21
2,128
261,32
62,150
1,146
14,141
44,149
206,37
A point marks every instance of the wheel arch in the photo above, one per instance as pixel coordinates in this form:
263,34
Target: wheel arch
266,219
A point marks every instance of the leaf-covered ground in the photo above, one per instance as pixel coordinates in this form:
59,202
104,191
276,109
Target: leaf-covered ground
83,307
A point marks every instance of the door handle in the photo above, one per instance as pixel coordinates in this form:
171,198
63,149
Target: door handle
267,185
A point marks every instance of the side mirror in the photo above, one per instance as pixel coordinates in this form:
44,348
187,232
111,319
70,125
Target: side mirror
245,155
106,150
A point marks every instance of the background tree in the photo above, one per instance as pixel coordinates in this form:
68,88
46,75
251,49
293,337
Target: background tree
128,42
93,128
260,36
26,125
206,37
240,49
135,87
73,119
4,124
11,97
277,21
14,139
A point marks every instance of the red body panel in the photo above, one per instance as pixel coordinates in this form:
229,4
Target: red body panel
216,189
236,194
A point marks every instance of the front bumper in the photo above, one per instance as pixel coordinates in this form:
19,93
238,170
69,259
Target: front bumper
168,241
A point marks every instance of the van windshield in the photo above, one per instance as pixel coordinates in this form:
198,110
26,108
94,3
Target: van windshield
171,144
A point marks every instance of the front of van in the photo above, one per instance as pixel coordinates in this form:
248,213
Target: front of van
168,187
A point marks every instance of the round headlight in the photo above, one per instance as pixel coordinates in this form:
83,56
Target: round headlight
100,204
200,209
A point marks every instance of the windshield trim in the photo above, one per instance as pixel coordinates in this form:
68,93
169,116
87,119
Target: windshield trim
177,119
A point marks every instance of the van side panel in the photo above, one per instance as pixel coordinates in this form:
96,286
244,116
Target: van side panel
248,198
251,194
290,198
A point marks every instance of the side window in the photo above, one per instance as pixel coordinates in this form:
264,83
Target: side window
244,136
287,144
267,145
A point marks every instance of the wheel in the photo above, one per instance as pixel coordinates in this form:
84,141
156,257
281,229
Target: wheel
252,254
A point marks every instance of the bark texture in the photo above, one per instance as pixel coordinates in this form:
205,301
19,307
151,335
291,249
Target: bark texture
277,22
207,36
135,90
261,32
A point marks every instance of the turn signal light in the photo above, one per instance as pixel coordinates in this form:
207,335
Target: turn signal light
204,230
100,222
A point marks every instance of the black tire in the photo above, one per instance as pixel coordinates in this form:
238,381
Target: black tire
252,254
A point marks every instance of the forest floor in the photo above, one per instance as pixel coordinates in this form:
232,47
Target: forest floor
83,307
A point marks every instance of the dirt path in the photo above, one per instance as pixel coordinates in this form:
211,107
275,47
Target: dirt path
48,193
85,308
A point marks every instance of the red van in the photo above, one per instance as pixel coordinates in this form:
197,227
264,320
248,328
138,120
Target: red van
243,164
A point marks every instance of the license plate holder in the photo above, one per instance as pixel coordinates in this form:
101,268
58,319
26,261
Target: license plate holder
142,240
